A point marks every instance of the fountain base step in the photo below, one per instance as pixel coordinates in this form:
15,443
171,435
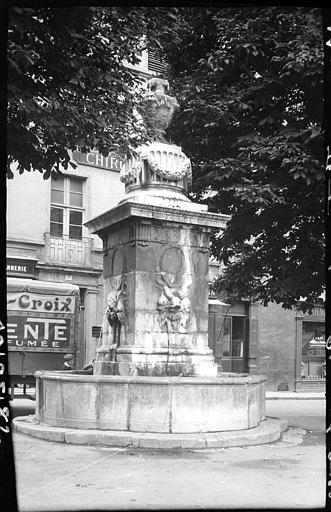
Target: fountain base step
268,431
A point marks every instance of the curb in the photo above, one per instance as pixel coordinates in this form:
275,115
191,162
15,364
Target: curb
268,431
297,397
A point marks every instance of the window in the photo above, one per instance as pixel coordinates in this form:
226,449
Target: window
226,345
234,343
313,350
67,207
238,336
234,337
228,336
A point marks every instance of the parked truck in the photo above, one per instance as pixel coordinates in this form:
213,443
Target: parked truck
41,327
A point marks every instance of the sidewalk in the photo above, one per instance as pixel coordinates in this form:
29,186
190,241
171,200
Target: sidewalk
294,395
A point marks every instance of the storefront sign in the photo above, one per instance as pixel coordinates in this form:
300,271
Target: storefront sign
33,302
20,267
36,332
111,162
40,321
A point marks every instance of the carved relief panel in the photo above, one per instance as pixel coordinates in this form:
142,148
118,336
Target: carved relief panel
173,282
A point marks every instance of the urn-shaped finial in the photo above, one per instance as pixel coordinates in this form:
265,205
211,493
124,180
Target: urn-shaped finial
161,169
158,107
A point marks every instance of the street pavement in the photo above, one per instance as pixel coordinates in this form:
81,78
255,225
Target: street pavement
288,473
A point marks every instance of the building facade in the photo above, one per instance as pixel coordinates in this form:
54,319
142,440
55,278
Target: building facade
288,346
46,237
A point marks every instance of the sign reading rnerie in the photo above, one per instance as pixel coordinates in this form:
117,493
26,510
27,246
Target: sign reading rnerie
39,321
20,267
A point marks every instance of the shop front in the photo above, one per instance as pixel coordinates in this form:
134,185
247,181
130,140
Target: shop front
228,335
311,351
41,327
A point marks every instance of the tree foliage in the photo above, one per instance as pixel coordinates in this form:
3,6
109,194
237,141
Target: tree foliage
68,86
250,84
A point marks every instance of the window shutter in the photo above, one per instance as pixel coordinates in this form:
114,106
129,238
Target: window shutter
155,62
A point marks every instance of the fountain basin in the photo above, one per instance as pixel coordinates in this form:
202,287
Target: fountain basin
229,402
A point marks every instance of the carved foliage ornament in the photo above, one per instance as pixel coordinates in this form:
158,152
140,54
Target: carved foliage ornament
131,173
176,173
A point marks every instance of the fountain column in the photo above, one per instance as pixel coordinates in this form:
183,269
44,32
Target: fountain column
156,261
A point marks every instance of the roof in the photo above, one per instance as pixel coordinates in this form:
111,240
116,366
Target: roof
218,302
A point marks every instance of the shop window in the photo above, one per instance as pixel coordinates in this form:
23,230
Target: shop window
228,338
226,341
313,350
67,207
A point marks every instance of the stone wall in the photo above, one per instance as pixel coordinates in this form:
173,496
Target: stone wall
150,404
276,346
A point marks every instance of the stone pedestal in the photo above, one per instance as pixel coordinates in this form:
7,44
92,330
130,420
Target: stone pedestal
156,261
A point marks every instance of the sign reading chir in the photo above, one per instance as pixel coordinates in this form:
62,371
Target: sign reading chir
112,162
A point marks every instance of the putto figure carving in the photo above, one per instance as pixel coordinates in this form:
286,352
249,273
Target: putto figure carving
114,317
173,305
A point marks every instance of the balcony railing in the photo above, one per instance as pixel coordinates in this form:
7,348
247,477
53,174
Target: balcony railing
67,251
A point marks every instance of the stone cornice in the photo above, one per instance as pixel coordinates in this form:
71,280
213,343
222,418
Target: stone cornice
24,241
225,378
55,267
214,221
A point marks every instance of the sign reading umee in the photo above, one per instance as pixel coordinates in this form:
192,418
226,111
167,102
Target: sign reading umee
112,162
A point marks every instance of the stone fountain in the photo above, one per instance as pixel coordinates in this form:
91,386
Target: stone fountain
155,382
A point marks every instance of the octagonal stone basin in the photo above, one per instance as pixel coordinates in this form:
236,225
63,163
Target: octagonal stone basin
150,404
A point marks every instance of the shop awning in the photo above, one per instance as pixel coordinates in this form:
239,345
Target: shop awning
18,284
217,302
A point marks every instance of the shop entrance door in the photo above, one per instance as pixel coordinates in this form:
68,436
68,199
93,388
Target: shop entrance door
234,344
228,338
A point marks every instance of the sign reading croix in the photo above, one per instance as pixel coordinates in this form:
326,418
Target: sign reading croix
38,302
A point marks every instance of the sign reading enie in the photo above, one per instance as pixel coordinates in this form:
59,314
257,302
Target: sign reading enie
26,331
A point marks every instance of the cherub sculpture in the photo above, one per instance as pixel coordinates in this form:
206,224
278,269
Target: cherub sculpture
114,317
